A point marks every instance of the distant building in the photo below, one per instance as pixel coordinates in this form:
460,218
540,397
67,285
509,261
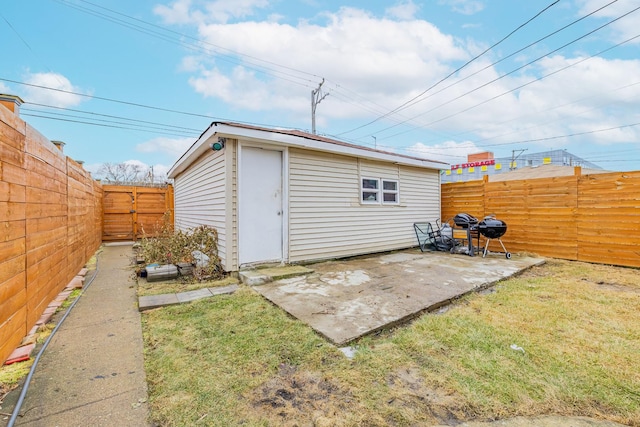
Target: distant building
481,164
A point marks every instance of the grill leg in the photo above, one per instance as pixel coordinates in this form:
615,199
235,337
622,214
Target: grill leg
486,246
502,244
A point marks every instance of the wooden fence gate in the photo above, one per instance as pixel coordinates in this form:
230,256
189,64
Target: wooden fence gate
131,212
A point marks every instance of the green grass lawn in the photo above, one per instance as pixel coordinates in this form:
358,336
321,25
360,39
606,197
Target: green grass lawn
239,360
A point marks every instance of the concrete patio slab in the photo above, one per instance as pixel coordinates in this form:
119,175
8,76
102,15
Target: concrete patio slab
346,299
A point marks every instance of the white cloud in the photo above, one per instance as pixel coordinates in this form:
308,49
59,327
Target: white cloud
220,11
51,97
177,13
385,59
465,7
450,151
624,28
174,147
405,10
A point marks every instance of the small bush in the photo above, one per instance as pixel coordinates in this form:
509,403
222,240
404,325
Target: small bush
174,247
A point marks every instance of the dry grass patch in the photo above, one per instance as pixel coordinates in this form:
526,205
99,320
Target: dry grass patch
239,360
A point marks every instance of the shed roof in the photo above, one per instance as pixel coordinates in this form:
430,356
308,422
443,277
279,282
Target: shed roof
292,138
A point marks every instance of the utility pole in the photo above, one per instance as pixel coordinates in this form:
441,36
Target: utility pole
375,142
514,158
316,97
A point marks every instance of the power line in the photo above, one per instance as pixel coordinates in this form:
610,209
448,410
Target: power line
158,126
99,124
248,61
250,64
498,62
511,72
454,71
92,113
130,103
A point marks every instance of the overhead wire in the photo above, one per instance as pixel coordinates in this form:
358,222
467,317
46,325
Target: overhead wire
338,91
111,116
545,110
102,124
457,82
512,72
131,103
454,71
305,82
159,128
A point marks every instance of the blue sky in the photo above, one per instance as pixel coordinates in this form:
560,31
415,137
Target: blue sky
138,81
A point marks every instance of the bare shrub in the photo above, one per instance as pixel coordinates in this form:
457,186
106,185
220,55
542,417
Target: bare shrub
175,247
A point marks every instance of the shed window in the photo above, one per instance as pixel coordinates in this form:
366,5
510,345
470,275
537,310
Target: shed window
370,190
376,191
389,191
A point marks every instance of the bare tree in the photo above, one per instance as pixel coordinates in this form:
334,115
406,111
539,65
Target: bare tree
130,173
121,173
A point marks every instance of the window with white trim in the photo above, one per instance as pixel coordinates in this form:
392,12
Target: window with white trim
390,191
379,191
370,190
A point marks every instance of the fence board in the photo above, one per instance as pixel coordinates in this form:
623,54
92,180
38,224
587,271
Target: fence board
593,218
12,331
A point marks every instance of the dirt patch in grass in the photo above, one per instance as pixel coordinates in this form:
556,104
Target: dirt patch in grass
412,395
293,397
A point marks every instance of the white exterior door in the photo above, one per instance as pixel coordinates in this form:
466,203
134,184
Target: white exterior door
260,231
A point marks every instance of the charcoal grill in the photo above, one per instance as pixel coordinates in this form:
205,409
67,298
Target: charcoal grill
469,224
492,228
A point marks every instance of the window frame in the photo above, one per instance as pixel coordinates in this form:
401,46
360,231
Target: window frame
370,190
396,191
379,191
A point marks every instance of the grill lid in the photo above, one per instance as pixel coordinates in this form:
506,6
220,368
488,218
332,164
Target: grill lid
492,228
465,220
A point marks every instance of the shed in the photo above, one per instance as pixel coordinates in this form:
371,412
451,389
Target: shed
288,196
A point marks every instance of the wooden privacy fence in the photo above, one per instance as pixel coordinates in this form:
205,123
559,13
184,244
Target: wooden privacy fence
593,218
130,212
50,222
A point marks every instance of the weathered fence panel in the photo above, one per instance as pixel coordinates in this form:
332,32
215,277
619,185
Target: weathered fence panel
593,218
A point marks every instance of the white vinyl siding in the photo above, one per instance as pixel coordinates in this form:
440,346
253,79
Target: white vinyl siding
200,197
232,207
327,218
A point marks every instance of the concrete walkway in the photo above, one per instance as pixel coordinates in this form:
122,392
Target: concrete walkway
92,373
